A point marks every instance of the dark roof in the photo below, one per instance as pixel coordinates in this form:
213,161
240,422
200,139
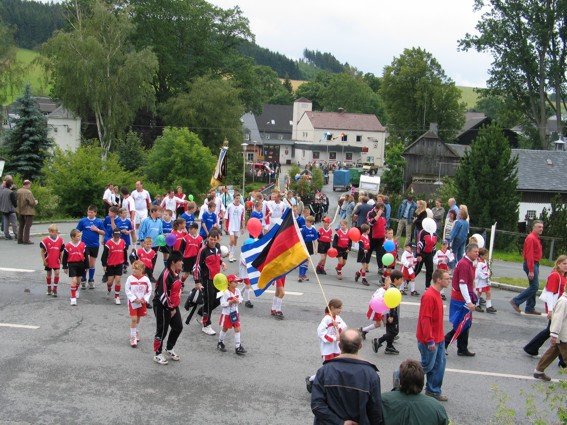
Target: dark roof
458,150
541,171
302,100
46,105
344,121
275,119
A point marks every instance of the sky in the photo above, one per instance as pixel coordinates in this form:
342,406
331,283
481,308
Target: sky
369,34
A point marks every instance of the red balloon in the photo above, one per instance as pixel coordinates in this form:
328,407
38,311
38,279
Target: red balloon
354,234
249,205
254,227
332,252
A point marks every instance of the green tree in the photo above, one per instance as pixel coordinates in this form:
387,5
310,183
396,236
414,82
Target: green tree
131,154
10,69
317,179
487,181
555,223
528,43
179,158
416,92
393,177
79,178
312,90
95,69
27,141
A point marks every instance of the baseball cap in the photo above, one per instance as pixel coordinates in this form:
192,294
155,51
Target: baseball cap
327,220
233,278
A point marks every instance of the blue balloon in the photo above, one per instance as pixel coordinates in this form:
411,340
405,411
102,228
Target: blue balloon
249,240
389,246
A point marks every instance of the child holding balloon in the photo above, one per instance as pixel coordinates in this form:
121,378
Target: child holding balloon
391,318
408,263
230,318
389,247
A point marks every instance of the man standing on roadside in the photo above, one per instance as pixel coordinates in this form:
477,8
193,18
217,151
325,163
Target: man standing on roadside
405,217
532,257
26,211
8,208
431,335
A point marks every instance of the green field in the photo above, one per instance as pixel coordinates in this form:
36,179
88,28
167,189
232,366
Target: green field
468,96
33,75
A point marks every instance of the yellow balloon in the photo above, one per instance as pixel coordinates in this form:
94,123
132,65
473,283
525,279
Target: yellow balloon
393,297
220,281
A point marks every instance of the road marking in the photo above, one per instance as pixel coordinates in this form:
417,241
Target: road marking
11,325
541,316
286,292
7,269
500,375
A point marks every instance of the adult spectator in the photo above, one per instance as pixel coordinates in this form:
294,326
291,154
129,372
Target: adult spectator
532,257
26,211
449,223
426,247
438,215
346,389
182,201
463,299
300,205
361,212
117,200
108,197
406,404
459,235
387,208
419,215
350,209
142,202
431,335
290,199
452,207
8,208
405,215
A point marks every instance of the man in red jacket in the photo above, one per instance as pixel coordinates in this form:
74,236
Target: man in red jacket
532,256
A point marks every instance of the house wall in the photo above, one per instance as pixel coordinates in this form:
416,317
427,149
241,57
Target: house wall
536,201
66,132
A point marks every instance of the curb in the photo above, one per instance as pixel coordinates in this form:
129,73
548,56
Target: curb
511,288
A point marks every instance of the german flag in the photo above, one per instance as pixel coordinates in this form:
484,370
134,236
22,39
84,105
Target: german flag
282,254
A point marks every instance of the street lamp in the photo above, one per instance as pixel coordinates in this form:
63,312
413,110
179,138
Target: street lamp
2,163
244,146
254,166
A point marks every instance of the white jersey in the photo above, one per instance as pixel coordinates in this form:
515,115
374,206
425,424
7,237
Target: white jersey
276,212
408,261
442,259
108,197
482,275
128,204
141,199
228,296
235,215
170,204
219,206
329,336
138,288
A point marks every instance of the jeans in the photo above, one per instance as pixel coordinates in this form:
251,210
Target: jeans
433,363
529,294
458,248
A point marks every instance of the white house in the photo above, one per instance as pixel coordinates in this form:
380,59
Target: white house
64,128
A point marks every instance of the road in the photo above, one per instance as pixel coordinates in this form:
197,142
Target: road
74,365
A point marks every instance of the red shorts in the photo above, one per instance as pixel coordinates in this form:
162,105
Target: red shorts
484,289
225,323
408,276
372,315
137,312
330,356
443,267
280,283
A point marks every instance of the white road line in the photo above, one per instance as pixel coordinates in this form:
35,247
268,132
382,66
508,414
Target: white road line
500,375
541,316
286,292
7,269
11,325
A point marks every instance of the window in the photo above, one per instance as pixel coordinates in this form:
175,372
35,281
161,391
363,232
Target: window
247,137
329,136
344,137
305,134
267,136
531,214
250,156
315,154
358,138
332,155
348,156
280,136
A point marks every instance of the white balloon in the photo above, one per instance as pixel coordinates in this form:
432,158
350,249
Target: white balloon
429,225
479,240
429,212
224,251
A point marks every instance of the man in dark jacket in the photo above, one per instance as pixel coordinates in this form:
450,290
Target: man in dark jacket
346,389
8,207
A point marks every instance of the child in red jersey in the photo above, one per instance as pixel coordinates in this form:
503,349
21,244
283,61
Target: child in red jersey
138,289
364,254
147,256
190,248
51,253
443,257
179,231
75,262
342,243
325,239
230,318
113,258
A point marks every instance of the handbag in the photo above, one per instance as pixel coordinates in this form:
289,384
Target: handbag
195,298
233,317
548,297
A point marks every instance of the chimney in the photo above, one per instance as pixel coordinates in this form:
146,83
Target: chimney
434,128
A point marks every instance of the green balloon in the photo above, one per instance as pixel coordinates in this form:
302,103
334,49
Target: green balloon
190,197
160,240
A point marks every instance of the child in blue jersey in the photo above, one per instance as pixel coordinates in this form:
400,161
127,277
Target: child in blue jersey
152,227
109,225
189,215
167,224
258,213
125,225
310,236
300,220
91,229
208,220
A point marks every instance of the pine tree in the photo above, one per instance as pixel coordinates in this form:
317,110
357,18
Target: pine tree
487,181
27,142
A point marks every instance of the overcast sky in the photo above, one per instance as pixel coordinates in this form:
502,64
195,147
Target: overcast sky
368,34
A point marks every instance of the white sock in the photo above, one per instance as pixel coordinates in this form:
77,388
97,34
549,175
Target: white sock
274,303
222,335
237,339
412,286
246,294
369,327
232,250
279,304
488,303
132,331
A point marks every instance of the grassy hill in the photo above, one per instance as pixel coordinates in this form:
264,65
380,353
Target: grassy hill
468,96
33,75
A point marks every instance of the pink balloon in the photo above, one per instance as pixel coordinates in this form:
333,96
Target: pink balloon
378,305
254,227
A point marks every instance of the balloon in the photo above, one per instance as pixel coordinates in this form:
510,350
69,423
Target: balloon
378,305
354,234
429,213
170,239
479,240
429,225
224,251
254,227
190,197
249,205
160,240
249,240
388,259
220,281
332,252
393,297
389,246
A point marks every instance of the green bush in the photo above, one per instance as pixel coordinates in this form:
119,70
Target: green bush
48,202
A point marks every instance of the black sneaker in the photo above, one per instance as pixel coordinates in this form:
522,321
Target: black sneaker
376,345
482,301
363,333
323,271
403,291
491,310
414,294
356,276
443,297
279,315
240,350
249,304
365,282
309,384
479,309
391,350
83,284
542,376
104,278
221,347
466,353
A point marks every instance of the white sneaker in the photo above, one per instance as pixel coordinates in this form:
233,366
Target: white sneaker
172,354
73,301
232,259
209,330
77,295
117,301
160,359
